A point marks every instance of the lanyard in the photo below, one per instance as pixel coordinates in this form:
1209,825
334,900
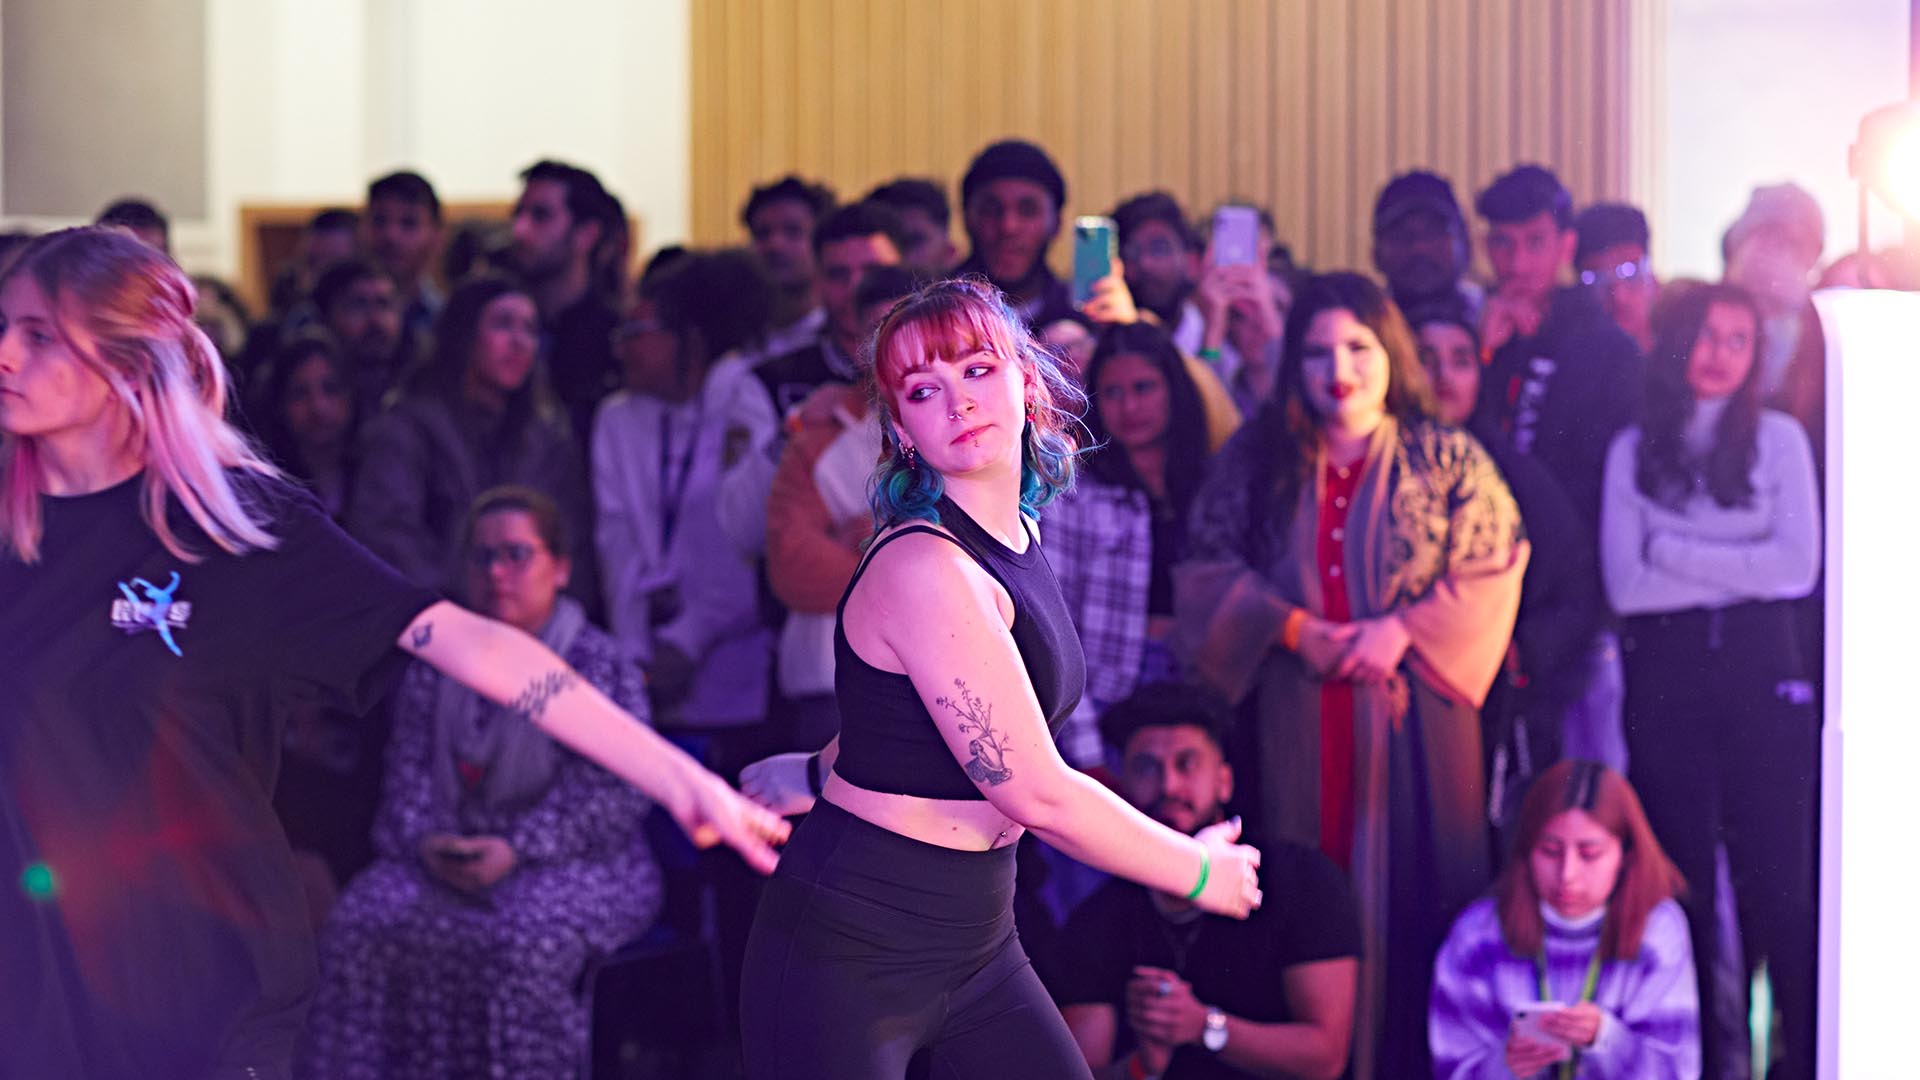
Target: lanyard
673,489
1587,987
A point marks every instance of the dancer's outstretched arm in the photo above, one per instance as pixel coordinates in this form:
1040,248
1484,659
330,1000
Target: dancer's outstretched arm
514,669
938,613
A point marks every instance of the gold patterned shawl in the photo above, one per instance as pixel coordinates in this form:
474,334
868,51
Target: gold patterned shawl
1433,535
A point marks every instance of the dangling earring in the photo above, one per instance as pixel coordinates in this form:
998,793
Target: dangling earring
1029,412
913,458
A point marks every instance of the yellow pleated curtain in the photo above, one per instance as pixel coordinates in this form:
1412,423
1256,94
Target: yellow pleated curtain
1304,106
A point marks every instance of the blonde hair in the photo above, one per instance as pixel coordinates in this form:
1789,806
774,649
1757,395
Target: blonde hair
126,312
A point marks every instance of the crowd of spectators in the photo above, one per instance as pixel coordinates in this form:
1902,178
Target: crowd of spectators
1497,684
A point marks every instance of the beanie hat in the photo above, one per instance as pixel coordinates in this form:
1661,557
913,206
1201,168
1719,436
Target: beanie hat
1416,192
1786,207
1015,160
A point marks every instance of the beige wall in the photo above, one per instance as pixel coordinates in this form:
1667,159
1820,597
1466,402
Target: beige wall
304,101
1764,91
310,99
1307,106
1689,102
90,116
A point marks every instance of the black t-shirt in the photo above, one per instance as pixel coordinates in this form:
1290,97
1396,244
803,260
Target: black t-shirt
1167,535
163,932
579,352
1050,299
790,377
1562,394
1236,966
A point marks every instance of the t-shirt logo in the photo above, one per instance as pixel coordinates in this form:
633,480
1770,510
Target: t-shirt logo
147,607
1529,400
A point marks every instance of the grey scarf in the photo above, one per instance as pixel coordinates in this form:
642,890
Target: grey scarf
487,760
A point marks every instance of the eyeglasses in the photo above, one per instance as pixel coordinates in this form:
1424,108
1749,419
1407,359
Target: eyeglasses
1635,270
516,555
1157,248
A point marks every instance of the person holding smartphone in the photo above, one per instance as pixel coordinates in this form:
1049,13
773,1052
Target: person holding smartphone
1579,963
1162,252
1234,319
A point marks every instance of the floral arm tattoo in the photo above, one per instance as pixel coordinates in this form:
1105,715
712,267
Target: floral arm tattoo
531,705
989,762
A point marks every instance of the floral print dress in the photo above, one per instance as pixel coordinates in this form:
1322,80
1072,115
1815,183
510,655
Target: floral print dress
419,979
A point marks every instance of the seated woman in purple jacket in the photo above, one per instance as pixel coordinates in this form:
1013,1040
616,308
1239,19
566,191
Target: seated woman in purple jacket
1579,963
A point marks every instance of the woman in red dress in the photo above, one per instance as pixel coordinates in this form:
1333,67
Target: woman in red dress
1354,570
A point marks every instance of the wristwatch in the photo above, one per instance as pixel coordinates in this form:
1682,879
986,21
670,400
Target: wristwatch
1214,1035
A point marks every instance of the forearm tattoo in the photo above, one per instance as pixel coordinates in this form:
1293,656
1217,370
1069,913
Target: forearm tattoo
531,705
989,762
421,635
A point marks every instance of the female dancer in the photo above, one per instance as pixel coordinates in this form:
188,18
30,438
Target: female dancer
166,594
1584,921
1355,569
888,929
1709,534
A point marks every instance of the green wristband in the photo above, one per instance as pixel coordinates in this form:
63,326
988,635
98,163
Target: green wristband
1209,354
1206,866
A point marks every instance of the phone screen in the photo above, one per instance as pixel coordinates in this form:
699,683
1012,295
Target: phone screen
1093,250
1236,236
1526,1022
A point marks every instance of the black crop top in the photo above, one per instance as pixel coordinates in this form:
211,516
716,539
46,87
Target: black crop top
888,742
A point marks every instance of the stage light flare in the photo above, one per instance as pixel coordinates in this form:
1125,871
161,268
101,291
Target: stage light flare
1901,173
38,882
1886,157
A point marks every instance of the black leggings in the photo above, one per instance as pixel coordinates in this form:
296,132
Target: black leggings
870,948
1724,748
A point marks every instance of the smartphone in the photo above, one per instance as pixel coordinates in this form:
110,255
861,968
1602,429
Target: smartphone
1236,236
1526,1022
1093,253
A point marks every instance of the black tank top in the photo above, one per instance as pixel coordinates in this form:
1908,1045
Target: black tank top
888,741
